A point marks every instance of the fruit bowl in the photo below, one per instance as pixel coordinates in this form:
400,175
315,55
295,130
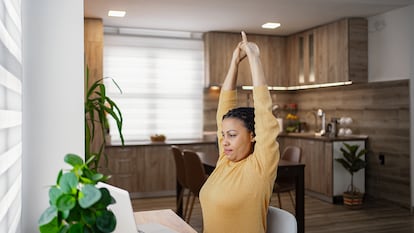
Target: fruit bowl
158,138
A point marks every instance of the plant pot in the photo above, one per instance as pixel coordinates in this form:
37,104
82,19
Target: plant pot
353,200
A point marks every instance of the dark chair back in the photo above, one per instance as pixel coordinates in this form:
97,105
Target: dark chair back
195,173
179,166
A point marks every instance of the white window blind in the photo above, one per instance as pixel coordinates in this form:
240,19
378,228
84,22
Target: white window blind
10,116
162,84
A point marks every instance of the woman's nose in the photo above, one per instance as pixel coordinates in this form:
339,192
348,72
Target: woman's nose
225,142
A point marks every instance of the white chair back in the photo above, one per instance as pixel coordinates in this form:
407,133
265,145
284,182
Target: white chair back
280,221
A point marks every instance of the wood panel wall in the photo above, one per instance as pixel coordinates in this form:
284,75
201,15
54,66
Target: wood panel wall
379,110
93,46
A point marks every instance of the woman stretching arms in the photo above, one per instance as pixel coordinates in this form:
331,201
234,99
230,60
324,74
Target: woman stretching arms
236,196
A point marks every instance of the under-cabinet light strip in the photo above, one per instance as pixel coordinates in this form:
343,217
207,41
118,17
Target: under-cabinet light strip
302,87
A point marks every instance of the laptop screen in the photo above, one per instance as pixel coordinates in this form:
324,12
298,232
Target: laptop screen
125,221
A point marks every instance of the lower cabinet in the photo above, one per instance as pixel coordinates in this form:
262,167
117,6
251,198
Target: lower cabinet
324,177
146,170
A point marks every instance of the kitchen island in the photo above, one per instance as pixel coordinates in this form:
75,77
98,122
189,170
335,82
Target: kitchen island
325,178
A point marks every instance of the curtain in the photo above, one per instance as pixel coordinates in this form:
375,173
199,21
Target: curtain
10,116
162,86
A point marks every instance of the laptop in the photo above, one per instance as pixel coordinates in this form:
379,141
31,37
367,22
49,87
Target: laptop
125,220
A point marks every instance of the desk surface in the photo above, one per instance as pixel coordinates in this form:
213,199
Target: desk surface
165,217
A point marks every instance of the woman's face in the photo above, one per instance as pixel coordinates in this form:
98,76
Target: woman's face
237,140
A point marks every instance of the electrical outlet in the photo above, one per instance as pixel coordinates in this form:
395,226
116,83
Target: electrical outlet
381,158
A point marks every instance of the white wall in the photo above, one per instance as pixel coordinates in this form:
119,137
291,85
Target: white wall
391,57
53,122
389,45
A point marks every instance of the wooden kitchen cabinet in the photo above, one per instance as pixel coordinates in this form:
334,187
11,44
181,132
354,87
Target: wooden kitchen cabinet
219,47
146,170
325,178
300,53
126,167
341,51
335,52
317,157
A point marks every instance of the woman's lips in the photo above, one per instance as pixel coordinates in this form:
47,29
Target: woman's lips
227,151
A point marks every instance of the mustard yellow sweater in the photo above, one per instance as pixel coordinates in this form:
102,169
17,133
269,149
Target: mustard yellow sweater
235,197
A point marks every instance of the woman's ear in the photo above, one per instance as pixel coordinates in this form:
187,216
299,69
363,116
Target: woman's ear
252,137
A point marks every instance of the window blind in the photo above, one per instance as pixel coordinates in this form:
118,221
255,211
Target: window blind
10,116
162,86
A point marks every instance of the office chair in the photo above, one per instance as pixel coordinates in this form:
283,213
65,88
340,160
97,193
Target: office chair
280,221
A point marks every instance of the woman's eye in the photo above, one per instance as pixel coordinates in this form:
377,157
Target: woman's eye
232,135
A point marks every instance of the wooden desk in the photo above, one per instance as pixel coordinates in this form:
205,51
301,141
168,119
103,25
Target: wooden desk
285,169
165,217
296,170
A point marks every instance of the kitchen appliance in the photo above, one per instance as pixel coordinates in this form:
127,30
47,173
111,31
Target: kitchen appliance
332,128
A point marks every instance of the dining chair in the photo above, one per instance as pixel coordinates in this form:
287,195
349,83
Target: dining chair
195,177
181,178
287,184
280,221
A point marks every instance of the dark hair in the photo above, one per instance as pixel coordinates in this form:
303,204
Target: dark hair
245,114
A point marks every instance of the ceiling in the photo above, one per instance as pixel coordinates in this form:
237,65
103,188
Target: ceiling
234,15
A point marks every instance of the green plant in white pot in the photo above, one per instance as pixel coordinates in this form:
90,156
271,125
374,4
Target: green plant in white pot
352,161
76,204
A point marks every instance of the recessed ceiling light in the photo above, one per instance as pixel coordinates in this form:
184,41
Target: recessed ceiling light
271,25
116,13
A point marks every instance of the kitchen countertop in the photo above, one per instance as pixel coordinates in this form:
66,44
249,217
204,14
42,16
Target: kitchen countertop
312,136
206,140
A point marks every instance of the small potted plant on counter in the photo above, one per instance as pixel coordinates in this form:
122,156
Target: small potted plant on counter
352,161
76,204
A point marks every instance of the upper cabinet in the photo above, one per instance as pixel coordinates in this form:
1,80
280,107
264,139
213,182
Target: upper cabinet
301,57
219,47
335,52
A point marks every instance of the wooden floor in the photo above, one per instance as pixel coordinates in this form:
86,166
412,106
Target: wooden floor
320,216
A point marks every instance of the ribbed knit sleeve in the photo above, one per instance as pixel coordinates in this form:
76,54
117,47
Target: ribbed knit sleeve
227,101
266,150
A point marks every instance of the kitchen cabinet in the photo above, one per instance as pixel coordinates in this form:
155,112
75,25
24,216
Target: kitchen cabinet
300,53
147,170
335,52
317,157
325,178
341,51
219,47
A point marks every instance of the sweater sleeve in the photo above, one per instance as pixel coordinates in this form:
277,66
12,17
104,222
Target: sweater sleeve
227,101
267,128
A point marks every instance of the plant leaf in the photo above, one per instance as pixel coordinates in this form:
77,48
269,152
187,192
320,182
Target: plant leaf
54,194
59,176
106,222
68,183
88,216
105,200
74,160
65,202
48,215
90,196
76,228
52,226
64,228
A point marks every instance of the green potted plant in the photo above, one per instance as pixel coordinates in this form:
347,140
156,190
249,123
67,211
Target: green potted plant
98,106
352,161
76,204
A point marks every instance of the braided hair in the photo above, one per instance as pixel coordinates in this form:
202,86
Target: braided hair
245,114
